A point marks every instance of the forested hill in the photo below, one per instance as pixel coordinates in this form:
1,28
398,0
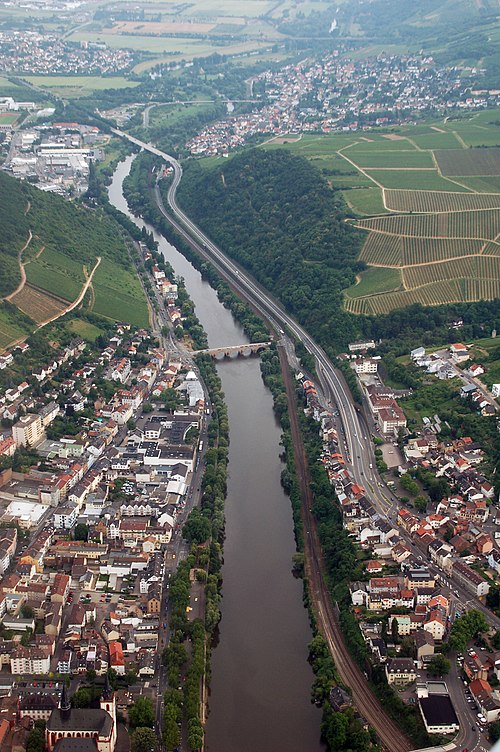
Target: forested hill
276,214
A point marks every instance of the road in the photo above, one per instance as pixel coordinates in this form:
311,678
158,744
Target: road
360,459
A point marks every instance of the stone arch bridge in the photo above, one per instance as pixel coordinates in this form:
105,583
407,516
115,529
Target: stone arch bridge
233,351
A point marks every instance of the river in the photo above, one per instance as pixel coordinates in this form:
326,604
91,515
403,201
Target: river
260,684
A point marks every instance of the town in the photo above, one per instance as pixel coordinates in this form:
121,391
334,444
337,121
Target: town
101,461
426,563
336,94
35,53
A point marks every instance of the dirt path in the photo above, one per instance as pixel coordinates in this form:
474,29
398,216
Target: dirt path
75,302
21,268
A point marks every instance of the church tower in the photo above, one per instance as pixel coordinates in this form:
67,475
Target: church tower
65,703
108,703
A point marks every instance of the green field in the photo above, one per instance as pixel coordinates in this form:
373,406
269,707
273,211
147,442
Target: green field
7,118
119,295
11,326
365,200
436,140
79,86
377,157
418,180
483,184
166,115
83,329
374,281
56,273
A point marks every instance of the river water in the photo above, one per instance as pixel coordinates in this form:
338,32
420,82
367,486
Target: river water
261,680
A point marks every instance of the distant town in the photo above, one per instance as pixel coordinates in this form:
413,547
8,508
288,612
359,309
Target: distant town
336,94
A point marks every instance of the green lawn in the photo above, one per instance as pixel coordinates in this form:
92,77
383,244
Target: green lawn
166,115
374,281
365,200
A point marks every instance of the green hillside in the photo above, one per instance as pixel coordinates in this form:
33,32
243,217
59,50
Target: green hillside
66,241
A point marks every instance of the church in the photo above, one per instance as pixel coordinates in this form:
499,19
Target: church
83,729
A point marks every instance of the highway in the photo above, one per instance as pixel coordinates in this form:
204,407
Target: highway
359,451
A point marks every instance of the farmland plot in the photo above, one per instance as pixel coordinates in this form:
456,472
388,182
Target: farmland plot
463,162
36,304
439,201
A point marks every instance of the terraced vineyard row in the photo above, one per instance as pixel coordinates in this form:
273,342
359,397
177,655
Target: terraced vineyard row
476,224
436,293
439,201
392,250
476,268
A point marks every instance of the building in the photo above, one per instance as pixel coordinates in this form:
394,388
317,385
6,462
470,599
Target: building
437,712
95,724
400,671
30,660
28,431
470,579
38,706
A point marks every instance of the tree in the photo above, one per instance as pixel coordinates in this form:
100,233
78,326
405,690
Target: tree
171,399
439,665
142,713
36,740
143,740
81,532
27,612
420,504
495,731
197,528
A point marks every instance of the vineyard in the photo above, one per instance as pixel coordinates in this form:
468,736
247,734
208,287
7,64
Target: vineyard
478,267
394,250
483,224
439,201
462,162
436,293
37,304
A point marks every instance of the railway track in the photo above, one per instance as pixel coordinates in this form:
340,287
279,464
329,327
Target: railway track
367,703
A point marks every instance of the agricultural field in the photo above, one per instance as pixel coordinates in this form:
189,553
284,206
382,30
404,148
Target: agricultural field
484,224
374,281
38,305
387,159
439,201
117,294
56,274
419,180
399,251
469,162
12,326
441,258
79,86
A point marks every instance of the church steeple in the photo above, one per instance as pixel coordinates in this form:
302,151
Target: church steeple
107,693
65,704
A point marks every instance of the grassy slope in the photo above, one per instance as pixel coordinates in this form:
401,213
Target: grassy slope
73,236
